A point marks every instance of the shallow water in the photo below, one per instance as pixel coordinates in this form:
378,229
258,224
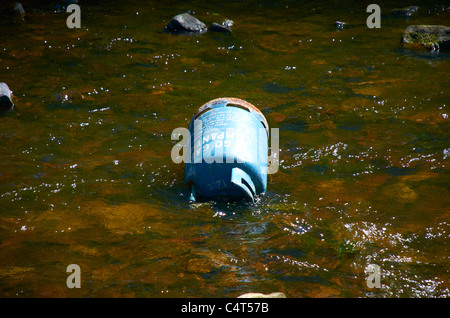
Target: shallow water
86,175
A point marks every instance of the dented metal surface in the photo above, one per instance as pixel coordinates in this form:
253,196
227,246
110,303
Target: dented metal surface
228,151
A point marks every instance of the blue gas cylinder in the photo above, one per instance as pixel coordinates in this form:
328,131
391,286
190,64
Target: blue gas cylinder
227,154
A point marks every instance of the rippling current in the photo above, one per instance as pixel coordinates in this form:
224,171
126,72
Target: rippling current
86,175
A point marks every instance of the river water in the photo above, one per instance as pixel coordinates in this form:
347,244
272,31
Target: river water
86,175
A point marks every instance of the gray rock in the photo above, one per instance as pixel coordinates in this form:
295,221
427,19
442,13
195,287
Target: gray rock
225,27
433,37
5,98
259,295
216,27
339,25
227,23
18,9
405,12
185,23
12,13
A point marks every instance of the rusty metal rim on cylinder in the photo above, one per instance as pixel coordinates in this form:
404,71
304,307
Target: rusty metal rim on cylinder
236,102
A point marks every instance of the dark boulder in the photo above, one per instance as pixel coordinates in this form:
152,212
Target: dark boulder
185,22
339,25
225,27
405,12
17,9
432,37
5,98
11,13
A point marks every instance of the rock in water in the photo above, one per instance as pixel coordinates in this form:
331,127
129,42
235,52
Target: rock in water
5,98
433,37
339,25
18,9
185,23
225,27
406,12
12,13
216,27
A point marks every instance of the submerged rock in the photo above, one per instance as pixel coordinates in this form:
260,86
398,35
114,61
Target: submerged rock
225,27
339,25
216,27
12,12
433,37
405,12
185,22
227,23
259,295
5,98
17,9
200,265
